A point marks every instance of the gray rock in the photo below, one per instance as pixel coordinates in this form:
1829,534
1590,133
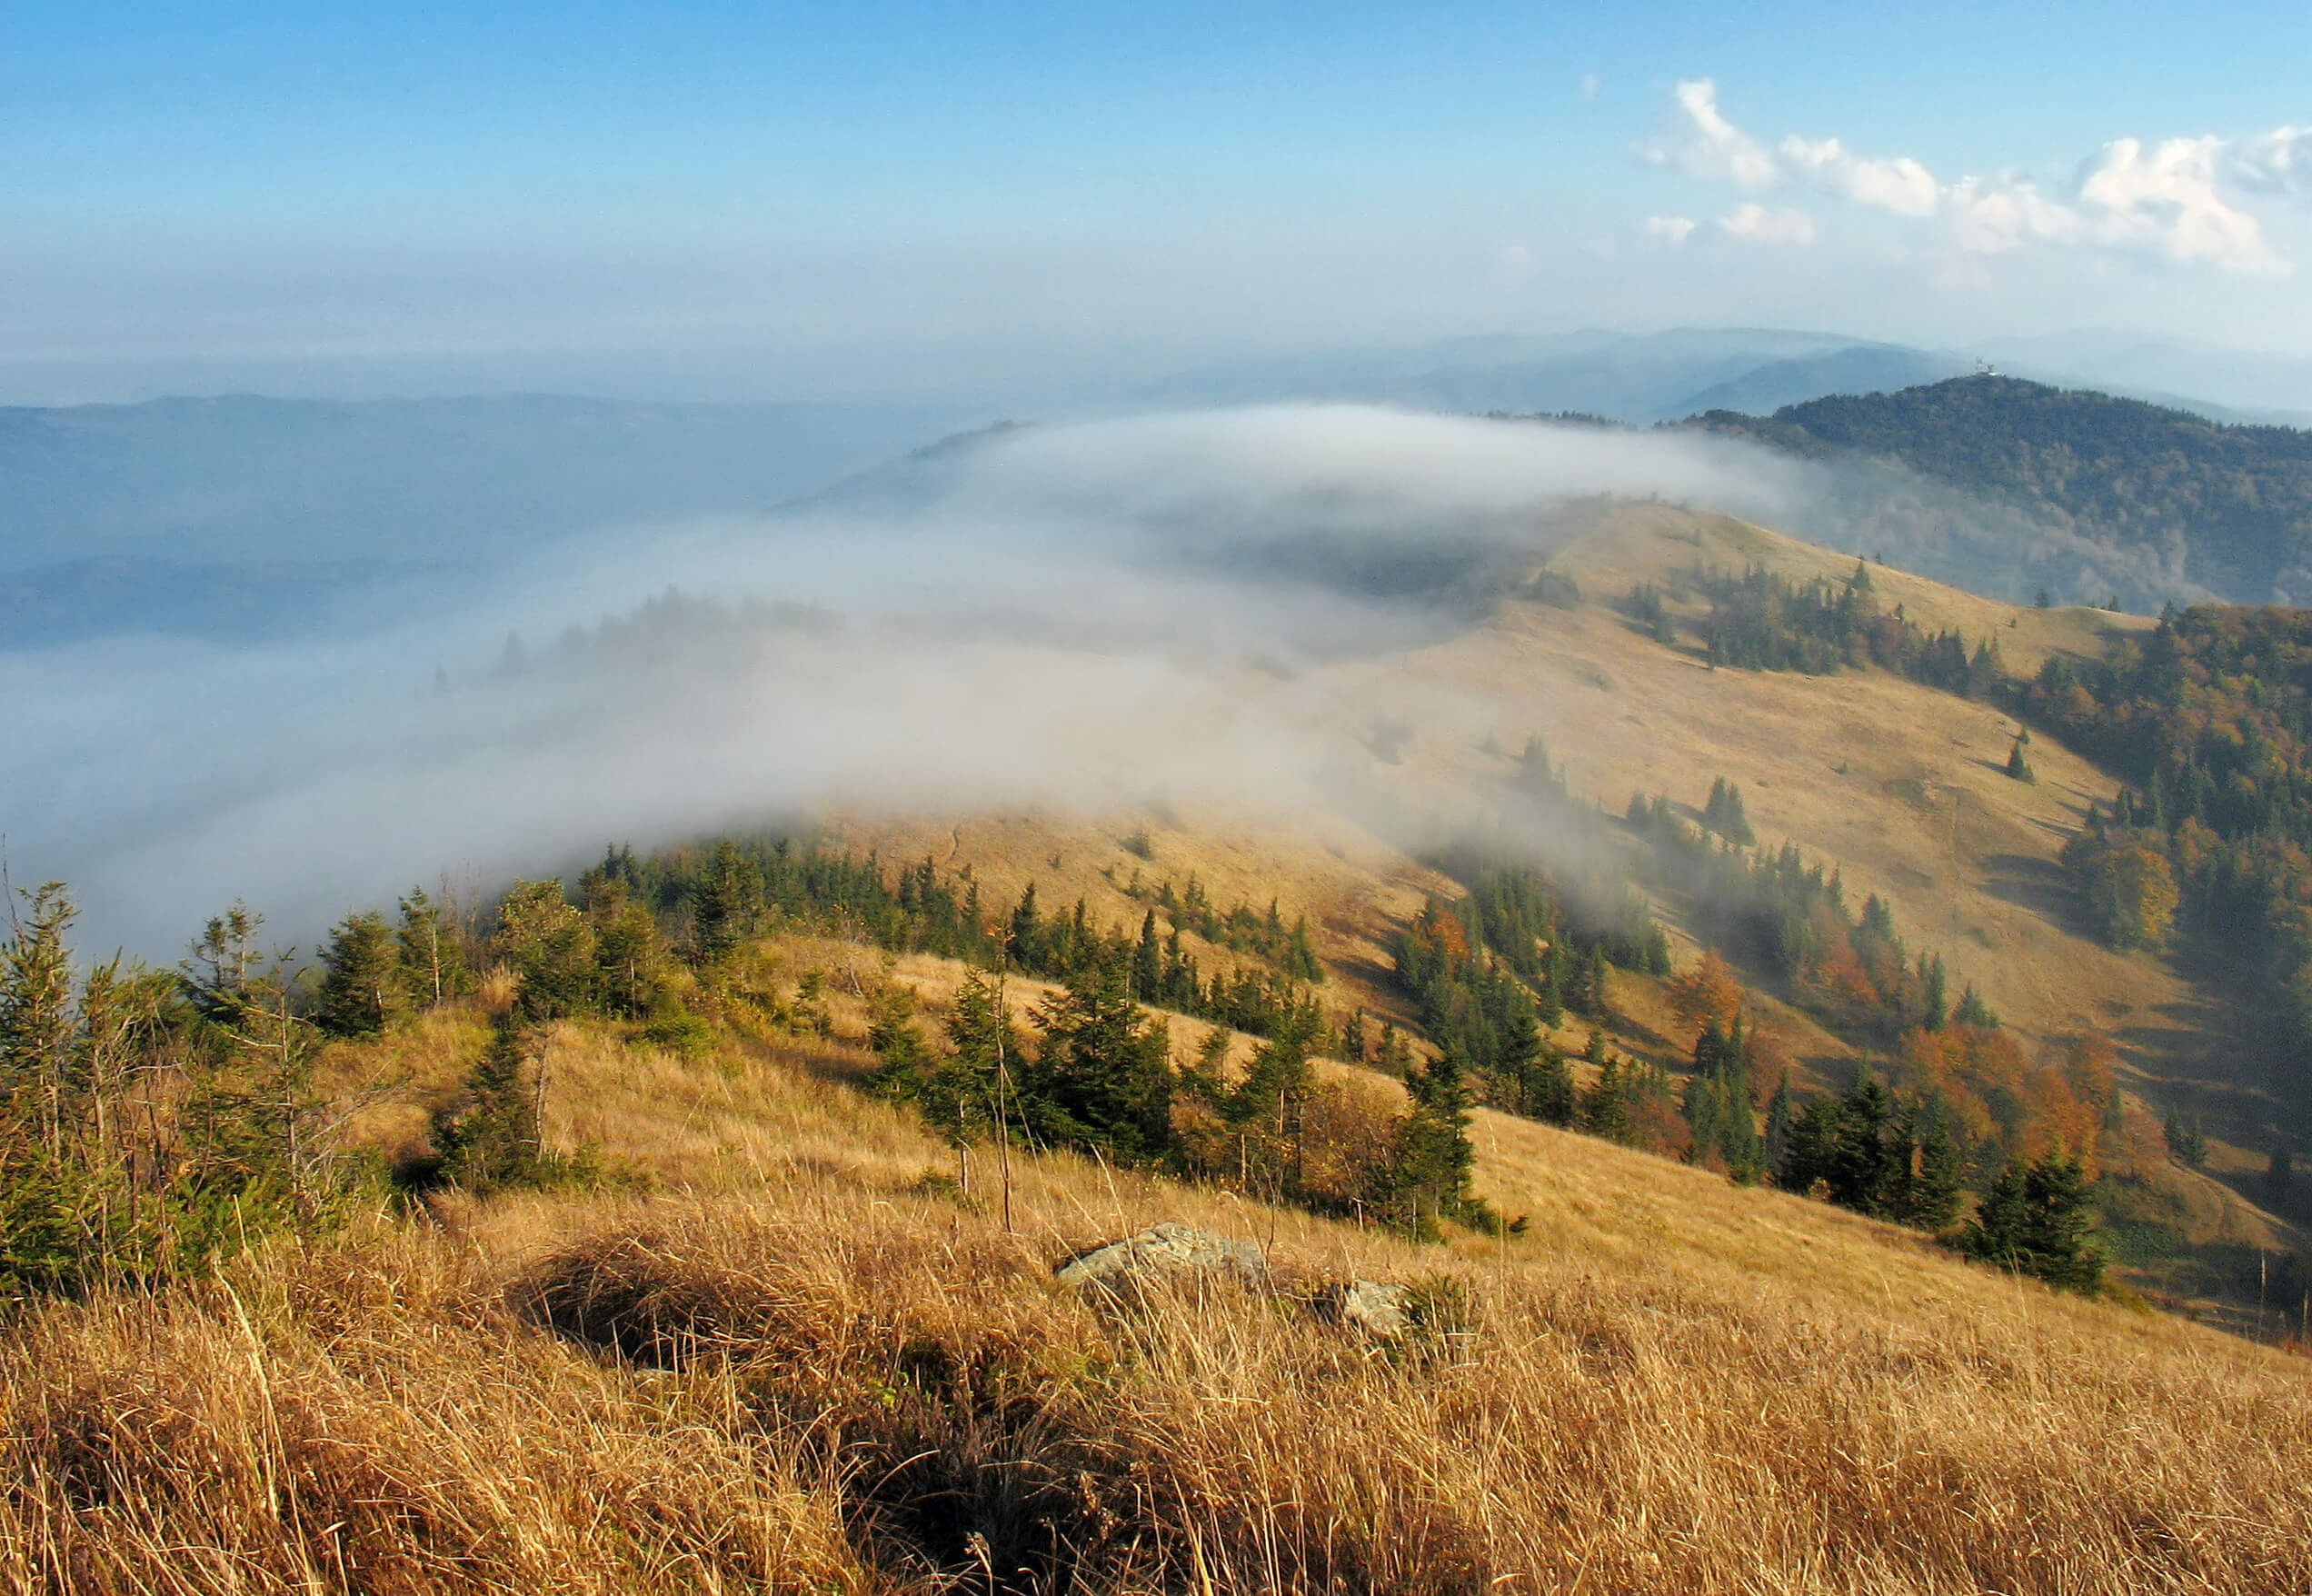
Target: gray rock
1120,1269
1383,1313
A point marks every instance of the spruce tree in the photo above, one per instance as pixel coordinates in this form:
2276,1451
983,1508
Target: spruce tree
362,988
1026,938
435,962
550,946
1435,1157
2035,1220
1148,962
1102,1075
490,1138
729,904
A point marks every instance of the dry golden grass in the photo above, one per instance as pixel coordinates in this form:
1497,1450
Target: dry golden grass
792,1366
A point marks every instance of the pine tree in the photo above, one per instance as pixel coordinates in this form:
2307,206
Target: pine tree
1930,1197
490,1139
435,962
1102,1075
1974,1012
1605,1106
1148,962
550,946
2036,1220
1269,1106
2019,767
630,955
1725,814
1434,1157
730,904
1026,938
39,1059
1775,1149
362,987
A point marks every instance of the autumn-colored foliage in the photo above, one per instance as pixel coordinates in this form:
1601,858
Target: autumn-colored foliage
1706,994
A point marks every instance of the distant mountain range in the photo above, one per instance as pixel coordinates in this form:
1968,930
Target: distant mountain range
242,516
1642,378
239,516
1637,378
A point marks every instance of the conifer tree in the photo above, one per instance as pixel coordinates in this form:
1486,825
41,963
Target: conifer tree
1974,1012
729,902
490,1139
1026,938
39,1062
1435,1158
2035,1220
435,962
1605,1106
1930,1196
362,987
1102,1075
550,946
1148,962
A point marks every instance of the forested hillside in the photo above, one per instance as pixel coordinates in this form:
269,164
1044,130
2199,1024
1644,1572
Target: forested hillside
2153,502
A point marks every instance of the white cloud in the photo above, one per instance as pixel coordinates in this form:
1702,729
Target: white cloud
2166,195
1702,143
2176,200
1754,224
1901,184
1669,230
2278,161
1592,86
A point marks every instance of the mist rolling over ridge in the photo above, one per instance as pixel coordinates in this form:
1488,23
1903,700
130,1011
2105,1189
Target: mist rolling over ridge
1073,617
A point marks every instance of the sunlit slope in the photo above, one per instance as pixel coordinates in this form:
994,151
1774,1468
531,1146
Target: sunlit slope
1902,787
1666,1382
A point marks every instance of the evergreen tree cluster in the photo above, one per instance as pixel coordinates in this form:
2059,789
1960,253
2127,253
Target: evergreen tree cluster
1721,1102
1866,1149
1761,622
150,1120
2035,1220
1491,969
1096,1075
1241,930
2208,720
1848,964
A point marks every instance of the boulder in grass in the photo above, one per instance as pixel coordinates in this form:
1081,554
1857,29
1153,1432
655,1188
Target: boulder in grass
1121,1271
1382,1313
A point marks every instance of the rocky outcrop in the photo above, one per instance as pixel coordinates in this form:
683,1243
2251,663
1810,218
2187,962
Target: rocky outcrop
1382,1313
1122,1272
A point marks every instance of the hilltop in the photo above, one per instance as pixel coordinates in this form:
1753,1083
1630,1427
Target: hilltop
2156,503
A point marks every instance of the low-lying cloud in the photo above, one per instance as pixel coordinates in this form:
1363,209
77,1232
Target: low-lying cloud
1075,618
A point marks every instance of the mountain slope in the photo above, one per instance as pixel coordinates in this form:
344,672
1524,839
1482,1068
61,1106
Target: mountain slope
2190,503
803,1362
1899,786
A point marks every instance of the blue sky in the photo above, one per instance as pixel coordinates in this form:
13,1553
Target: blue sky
864,186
